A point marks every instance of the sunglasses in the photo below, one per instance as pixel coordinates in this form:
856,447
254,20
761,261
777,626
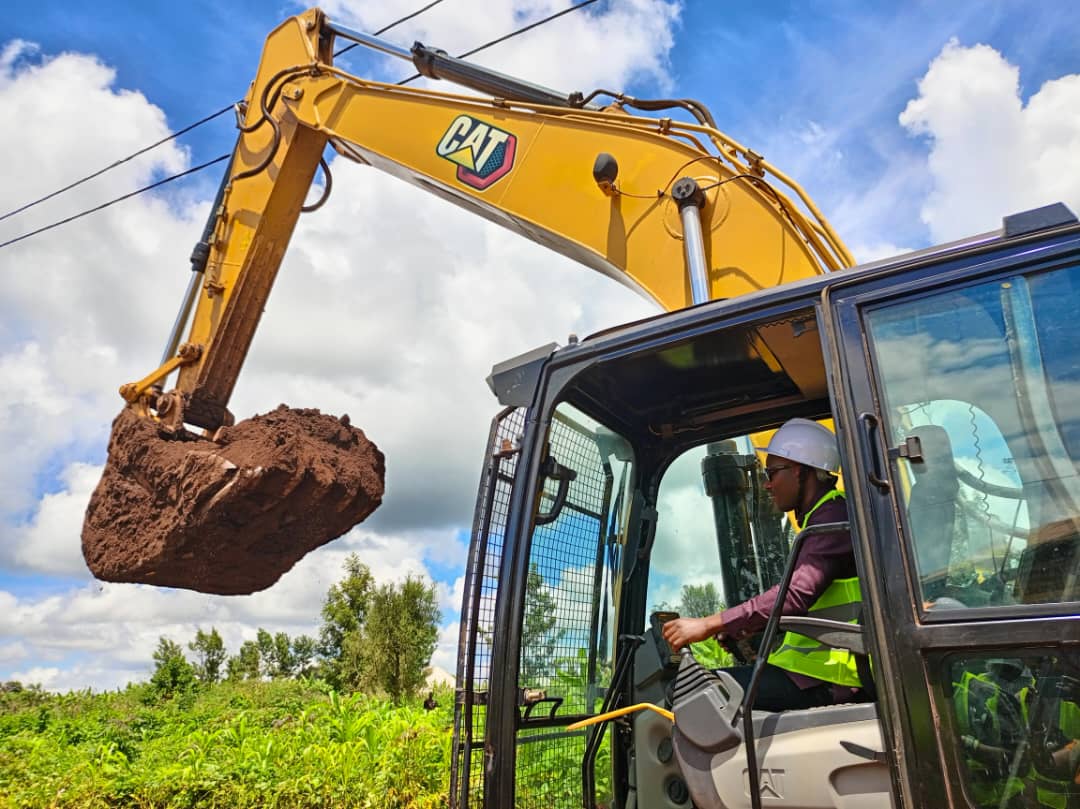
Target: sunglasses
770,471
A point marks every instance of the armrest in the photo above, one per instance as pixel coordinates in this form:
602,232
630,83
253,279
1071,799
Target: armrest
838,634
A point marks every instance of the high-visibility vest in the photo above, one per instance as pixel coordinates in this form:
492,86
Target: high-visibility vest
841,601
1056,793
995,716
992,716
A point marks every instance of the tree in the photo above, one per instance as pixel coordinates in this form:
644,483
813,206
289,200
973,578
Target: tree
539,636
391,650
173,674
699,600
279,662
343,613
304,649
244,665
209,652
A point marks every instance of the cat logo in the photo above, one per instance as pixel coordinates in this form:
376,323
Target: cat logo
770,783
483,153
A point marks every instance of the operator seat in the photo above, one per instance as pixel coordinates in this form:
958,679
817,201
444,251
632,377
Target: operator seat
932,506
831,756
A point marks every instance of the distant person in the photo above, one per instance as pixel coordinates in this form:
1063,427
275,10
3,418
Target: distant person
801,475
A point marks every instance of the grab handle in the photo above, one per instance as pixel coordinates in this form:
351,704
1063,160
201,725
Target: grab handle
870,424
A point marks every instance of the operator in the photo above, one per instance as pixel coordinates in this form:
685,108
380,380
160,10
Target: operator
801,474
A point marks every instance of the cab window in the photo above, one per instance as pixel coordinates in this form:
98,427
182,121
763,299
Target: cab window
719,539
980,387
568,621
1016,727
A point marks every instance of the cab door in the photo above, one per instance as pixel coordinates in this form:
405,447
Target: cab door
469,760
957,385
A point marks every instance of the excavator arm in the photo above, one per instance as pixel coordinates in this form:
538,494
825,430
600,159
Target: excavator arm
677,211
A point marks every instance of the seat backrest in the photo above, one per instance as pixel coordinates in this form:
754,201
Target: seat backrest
932,506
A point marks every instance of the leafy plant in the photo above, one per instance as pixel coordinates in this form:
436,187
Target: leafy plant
243,744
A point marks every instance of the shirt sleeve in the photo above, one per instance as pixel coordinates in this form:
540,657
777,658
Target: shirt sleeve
823,559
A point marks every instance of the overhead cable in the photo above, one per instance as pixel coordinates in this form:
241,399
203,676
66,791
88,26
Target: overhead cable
513,34
186,129
104,205
394,24
216,160
120,162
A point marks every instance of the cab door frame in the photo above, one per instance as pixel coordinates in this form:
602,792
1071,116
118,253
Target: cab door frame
909,648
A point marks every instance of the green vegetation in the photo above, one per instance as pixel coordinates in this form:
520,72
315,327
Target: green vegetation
294,723
288,722
698,601
283,743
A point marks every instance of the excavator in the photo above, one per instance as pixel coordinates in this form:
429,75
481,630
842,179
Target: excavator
622,467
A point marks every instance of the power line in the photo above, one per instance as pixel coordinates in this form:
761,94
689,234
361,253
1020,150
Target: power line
513,34
120,162
394,24
216,160
104,205
187,129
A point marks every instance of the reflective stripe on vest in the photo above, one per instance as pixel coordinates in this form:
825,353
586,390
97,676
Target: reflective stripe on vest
841,601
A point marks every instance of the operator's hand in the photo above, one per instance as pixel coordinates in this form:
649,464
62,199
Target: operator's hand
681,632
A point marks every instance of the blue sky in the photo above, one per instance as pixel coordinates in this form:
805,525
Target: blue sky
907,123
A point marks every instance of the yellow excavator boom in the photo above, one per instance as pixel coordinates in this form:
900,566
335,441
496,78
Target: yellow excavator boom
607,188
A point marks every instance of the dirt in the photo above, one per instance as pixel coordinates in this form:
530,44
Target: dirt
228,516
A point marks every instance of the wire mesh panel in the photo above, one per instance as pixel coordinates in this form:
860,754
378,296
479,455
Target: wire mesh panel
540,753
478,608
567,607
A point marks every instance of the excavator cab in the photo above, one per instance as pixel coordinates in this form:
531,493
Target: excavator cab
621,486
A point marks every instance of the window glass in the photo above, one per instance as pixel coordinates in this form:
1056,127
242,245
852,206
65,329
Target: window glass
569,615
1017,728
719,539
987,379
565,663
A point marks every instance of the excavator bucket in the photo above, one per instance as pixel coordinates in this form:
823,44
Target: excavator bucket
229,515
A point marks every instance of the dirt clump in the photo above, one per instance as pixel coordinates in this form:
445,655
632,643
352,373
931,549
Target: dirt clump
228,516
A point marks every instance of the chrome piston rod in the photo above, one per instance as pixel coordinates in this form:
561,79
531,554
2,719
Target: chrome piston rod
691,199
436,64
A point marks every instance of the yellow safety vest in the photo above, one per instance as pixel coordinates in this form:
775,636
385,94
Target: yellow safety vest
841,601
1054,793
981,706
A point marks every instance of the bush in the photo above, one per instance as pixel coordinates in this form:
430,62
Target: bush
245,744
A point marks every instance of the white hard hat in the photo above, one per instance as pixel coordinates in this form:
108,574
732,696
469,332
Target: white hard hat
806,442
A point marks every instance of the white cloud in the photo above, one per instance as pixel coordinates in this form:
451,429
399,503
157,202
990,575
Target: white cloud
73,313
45,544
10,652
607,47
446,649
865,253
14,49
46,677
992,154
391,306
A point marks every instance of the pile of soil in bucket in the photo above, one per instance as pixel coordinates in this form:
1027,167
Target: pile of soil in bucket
227,516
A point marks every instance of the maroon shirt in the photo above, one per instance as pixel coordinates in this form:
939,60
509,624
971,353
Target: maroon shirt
823,559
